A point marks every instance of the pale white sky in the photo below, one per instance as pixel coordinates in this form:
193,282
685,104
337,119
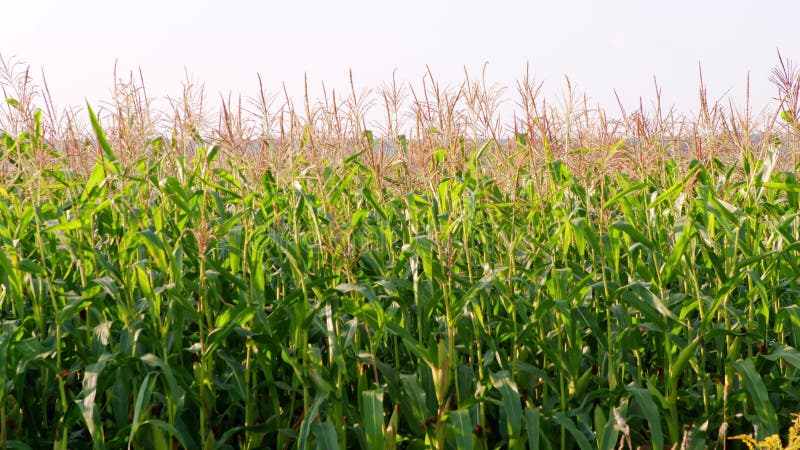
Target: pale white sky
601,45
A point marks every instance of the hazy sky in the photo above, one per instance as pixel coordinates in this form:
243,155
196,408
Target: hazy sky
600,45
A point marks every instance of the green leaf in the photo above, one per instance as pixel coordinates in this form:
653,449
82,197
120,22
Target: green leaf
782,186
682,361
462,426
784,352
757,390
606,429
183,439
634,233
415,395
311,417
624,193
96,181
75,305
325,435
478,155
86,401
678,251
533,427
512,403
439,155
145,391
102,140
664,196
177,194
175,390
368,293
569,425
64,226
645,401
645,301
373,418
29,266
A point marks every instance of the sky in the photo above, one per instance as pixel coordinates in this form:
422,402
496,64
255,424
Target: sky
603,46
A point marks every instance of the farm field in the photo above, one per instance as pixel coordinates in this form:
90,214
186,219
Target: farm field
316,284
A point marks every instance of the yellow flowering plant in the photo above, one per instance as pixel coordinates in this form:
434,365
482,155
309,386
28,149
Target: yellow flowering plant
774,442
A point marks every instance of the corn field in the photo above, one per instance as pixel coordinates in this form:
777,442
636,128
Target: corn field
577,300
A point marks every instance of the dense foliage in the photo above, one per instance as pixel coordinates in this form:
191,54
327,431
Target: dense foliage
199,308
